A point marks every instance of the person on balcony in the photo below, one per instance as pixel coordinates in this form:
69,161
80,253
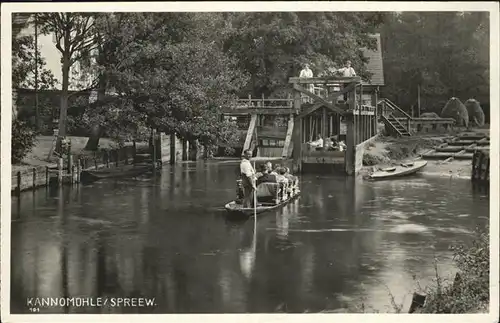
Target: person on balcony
347,70
307,72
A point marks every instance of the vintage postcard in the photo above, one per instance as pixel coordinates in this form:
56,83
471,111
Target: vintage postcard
251,161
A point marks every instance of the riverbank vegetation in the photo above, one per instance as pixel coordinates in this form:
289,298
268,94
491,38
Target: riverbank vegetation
469,291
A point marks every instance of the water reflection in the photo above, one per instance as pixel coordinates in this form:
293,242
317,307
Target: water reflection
342,242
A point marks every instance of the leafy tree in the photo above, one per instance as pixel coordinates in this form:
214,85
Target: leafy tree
23,65
168,71
23,71
74,33
446,53
23,140
272,46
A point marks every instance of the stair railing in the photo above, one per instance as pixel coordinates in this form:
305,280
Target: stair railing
390,110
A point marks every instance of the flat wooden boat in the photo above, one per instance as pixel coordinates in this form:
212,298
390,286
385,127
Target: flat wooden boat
115,172
401,170
236,208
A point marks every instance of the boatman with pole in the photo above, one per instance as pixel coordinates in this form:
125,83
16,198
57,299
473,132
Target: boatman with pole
247,179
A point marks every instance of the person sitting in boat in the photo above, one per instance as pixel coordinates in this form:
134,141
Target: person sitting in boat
280,175
262,171
286,180
342,146
318,143
291,179
329,144
247,178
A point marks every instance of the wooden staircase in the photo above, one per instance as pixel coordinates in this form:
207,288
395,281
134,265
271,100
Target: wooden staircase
391,115
396,126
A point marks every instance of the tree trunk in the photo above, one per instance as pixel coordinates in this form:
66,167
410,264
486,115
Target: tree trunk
95,136
63,113
96,131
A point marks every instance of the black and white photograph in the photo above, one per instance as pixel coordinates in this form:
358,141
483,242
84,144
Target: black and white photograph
309,160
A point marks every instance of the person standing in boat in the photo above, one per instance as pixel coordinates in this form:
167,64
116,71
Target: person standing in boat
247,178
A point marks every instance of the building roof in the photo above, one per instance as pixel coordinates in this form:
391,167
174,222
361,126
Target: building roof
375,63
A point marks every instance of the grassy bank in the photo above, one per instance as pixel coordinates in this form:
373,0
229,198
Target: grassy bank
388,151
39,153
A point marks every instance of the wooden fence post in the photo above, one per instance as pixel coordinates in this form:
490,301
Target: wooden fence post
117,157
125,150
78,170
59,171
474,157
70,163
486,168
480,166
34,179
47,175
18,188
134,152
95,160
418,301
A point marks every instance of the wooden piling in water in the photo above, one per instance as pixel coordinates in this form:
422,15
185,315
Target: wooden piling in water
78,170
480,167
418,301
95,160
134,152
72,180
154,154
105,157
70,163
47,178
59,171
34,178
18,188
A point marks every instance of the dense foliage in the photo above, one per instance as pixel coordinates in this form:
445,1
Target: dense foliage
167,73
23,65
446,53
175,70
24,68
23,140
470,293
272,46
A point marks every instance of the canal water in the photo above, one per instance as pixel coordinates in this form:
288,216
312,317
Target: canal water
345,243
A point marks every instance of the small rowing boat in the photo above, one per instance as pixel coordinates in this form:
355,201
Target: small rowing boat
283,195
402,170
88,176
